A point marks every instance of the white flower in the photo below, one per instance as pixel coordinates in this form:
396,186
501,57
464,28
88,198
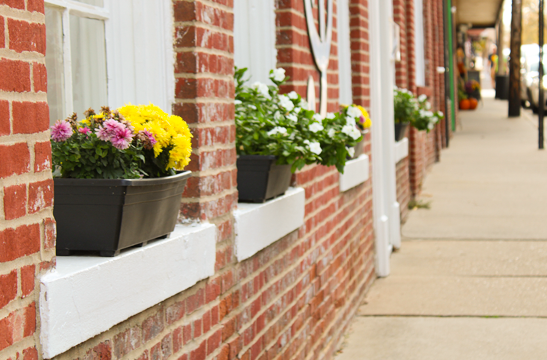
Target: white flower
350,121
351,131
428,113
330,116
237,102
292,95
441,114
354,112
277,116
304,104
292,117
277,130
331,133
422,98
252,107
427,105
285,102
278,74
431,125
313,146
297,110
351,151
315,127
262,88
317,117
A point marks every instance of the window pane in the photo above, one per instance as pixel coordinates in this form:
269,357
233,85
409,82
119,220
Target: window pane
54,65
93,2
88,64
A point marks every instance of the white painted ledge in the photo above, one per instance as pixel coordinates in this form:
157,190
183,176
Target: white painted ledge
85,296
401,150
355,173
260,225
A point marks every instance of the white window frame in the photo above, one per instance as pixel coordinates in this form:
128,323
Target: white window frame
345,90
419,42
72,7
68,8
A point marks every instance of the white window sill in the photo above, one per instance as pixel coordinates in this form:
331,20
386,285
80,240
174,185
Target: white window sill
260,225
401,150
355,173
85,296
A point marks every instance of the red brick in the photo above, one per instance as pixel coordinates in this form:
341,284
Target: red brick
15,201
42,156
30,320
103,351
6,332
35,5
212,290
213,342
30,354
25,36
39,75
16,4
144,356
30,117
155,352
199,353
177,339
166,346
174,312
8,288
50,233
127,341
27,279
152,326
197,328
2,33
15,159
4,117
15,243
40,195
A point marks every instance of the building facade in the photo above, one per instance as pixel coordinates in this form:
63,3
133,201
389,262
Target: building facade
215,289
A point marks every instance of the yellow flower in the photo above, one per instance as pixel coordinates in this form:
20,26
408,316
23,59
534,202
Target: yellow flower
367,122
170,131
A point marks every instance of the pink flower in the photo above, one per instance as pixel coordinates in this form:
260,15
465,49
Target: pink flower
150,137
84,130
108,130
61,131
122,138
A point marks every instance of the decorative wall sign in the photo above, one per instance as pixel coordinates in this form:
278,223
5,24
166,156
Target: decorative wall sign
320,44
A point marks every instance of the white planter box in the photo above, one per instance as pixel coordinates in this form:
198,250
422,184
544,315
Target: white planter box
259,225
401,150
356,172
85,296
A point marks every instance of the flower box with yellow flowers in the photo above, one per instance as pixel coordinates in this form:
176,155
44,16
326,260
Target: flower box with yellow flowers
118,178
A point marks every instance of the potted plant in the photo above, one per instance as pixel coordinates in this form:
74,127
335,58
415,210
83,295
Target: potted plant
277,135
424,118
362,119
118,179
405,108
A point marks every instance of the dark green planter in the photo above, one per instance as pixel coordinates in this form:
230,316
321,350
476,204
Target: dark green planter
259,178
400,131
106,216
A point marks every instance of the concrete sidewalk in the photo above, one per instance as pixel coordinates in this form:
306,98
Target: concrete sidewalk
470,281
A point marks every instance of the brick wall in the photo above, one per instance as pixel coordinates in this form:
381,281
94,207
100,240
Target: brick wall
424,148
295,298
403,187
27,230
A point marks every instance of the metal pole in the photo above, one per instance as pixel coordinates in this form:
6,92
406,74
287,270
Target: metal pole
514,63
451,71
541,89
446,79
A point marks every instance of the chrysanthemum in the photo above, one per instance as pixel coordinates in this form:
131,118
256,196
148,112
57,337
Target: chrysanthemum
61,131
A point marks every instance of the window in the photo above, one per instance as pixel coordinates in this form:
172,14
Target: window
108,52
419,41
254,37
344,53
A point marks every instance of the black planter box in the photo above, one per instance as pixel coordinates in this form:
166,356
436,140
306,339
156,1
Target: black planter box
260,179
400,130
105,216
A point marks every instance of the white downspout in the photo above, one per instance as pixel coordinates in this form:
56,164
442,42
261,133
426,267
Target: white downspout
380,211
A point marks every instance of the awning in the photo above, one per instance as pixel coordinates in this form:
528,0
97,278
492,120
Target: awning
478,13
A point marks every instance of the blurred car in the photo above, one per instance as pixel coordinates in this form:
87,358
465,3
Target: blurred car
529,64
